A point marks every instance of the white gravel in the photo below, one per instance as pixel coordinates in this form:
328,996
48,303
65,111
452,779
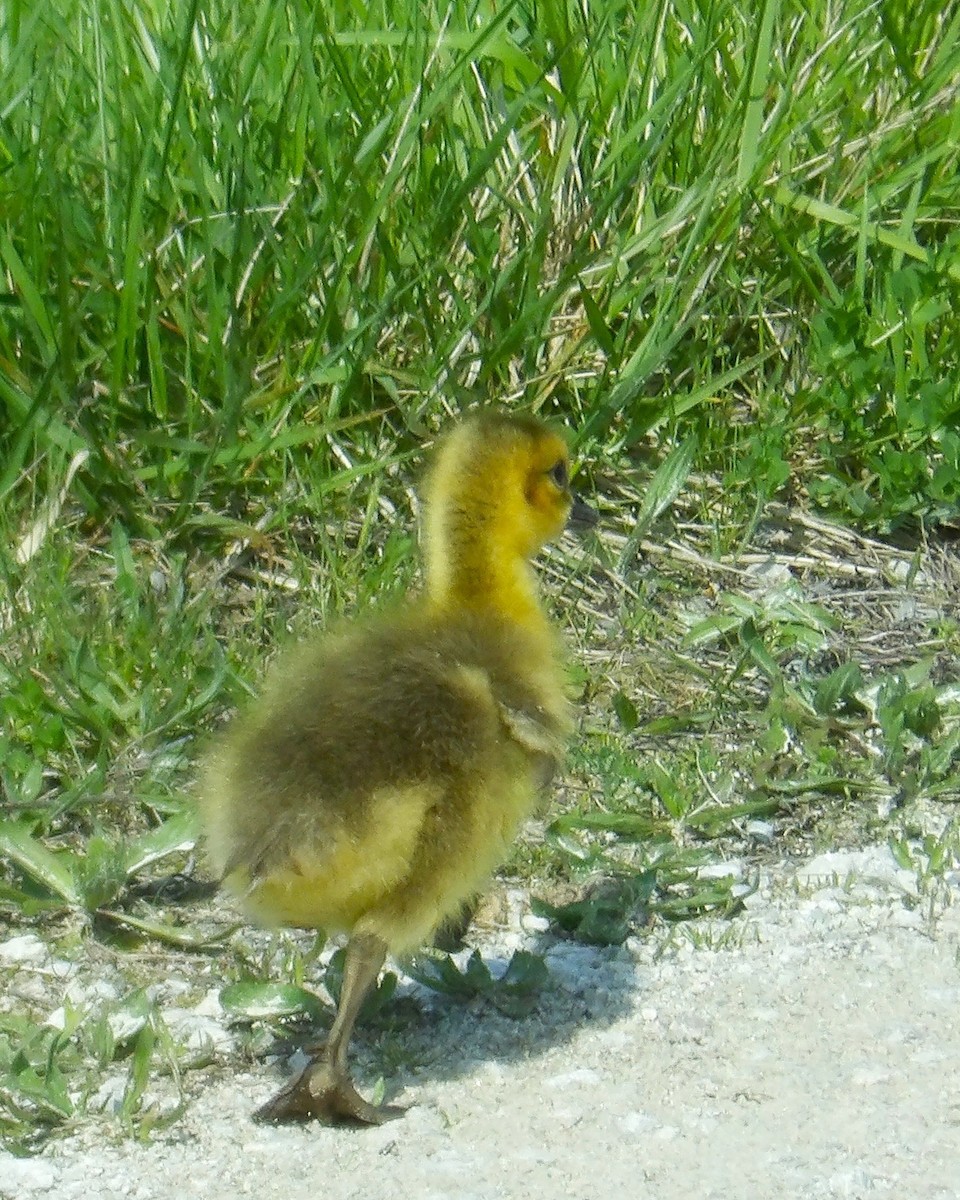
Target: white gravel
809,1048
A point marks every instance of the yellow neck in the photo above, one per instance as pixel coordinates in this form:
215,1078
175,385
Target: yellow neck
468,569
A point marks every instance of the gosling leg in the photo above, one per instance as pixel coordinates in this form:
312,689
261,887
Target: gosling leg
451,934
324,1089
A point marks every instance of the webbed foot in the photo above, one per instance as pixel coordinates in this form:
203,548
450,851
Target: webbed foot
321,1091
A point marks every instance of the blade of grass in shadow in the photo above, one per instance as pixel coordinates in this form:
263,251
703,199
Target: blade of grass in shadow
832,214
662,490
756,97
161,931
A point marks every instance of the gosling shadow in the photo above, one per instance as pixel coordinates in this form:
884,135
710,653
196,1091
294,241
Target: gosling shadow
422,1035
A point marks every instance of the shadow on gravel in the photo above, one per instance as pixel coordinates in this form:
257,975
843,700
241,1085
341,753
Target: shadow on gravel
423,1035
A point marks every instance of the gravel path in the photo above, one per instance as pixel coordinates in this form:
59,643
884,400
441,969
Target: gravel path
810,1048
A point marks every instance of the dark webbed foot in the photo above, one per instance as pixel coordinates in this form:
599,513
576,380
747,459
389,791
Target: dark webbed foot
321,1091
324,1089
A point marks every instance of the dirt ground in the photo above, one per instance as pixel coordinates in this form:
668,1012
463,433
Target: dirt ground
809,1048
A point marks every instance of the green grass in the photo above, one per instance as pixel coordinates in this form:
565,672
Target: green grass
252,257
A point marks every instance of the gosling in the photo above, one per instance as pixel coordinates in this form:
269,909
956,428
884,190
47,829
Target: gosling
386,768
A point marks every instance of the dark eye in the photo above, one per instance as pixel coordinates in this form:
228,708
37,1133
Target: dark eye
559,474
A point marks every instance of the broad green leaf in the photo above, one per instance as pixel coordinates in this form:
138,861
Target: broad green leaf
598,922
598,326
515,992
628,826
29,292
139,1076
441,973
838,689
48,1091
267,1001
626,711
56,872
758,652
173,836
710,630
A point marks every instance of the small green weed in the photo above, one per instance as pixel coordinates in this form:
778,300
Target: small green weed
885,409
54,1073
514,992
94,879
932,857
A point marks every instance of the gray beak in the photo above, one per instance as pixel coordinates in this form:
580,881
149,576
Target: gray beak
582,516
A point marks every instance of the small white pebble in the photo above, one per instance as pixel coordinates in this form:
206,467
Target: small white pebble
24,1176
770,577
580,1076
57,1019
25,948
637,1123
100,990
109,1095
197,1032
124,1025
851,1183
721,870
763,831
210,1005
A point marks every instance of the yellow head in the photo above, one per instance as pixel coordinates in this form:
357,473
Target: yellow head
498,491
